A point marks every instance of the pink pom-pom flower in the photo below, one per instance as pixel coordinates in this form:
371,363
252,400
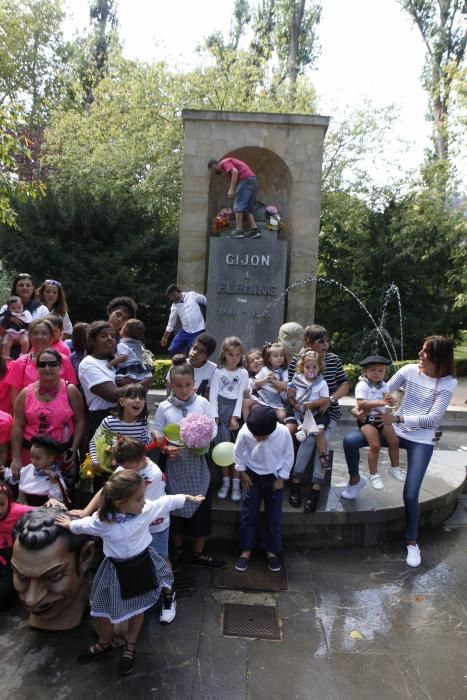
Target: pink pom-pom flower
196,431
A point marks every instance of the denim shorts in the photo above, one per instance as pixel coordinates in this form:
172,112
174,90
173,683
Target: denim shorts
160,543
245,195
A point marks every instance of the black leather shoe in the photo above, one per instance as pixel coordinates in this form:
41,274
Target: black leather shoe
312,501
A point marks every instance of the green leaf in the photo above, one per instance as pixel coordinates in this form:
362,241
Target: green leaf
172,432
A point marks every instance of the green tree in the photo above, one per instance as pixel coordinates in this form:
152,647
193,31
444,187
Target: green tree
414,241
444,32
33,57
267,70
14,148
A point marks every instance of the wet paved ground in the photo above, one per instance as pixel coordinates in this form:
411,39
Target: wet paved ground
354,624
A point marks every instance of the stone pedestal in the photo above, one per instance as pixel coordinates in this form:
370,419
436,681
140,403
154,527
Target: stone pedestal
285,151
246,285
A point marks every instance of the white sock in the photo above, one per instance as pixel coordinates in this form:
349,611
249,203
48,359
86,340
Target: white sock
226,480
236,484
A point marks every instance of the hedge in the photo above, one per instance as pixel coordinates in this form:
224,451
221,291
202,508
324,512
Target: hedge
353,372
160,369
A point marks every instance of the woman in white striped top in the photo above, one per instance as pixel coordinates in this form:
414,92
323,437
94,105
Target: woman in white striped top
429,387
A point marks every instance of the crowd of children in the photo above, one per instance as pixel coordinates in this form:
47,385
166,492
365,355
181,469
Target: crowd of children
275,412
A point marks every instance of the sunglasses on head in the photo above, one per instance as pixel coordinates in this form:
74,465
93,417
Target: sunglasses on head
55,282
23,275
48,363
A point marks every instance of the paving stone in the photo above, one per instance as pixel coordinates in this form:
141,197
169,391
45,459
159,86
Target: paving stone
384,677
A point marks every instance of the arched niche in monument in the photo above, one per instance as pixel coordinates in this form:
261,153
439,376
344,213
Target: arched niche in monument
273,176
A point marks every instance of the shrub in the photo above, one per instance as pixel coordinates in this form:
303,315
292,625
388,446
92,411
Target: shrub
160,369
353,372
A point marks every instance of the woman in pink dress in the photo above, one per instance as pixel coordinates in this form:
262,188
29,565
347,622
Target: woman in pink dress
49,406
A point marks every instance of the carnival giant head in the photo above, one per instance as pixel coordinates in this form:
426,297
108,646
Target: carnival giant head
50,570
291,337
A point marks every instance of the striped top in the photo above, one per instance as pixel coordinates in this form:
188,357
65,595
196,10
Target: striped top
424,404
333,374
139,430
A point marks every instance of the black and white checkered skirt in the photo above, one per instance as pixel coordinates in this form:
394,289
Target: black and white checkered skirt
187,473
106,600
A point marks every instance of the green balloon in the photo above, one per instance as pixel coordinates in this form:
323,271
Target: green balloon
223,454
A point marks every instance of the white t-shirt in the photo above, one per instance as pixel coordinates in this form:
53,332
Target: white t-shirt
188,313
168,413
154,482
91,373
123,540
230,384
275,455
35,485
368,392
67,324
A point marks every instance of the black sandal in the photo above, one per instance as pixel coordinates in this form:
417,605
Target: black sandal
95,651
205,561
127,659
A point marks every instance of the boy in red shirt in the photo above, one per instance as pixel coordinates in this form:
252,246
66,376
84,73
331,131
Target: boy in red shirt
242,189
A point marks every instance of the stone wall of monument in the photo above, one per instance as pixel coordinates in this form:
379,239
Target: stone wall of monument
285,151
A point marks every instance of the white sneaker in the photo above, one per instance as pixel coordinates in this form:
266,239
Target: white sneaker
376,481
396,473
169,608
413,555
224,491
351,491
236,494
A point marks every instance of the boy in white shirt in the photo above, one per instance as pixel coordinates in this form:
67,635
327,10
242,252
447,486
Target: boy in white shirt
372,395
264,456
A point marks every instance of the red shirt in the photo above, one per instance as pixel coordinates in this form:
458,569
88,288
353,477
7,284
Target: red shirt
5,389
6,529
6,422
243,170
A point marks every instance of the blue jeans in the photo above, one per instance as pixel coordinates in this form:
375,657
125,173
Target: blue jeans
305,452
261,487
160,543
418,459
245,195
183,340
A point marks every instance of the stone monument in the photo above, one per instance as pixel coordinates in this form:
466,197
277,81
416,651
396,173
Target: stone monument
246,280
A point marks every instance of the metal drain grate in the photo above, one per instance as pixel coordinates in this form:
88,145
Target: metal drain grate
257,621
256,578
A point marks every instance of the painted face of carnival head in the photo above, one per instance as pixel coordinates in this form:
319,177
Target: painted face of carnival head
291,336
49,570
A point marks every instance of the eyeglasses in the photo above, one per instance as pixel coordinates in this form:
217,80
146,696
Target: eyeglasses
55,282
48,363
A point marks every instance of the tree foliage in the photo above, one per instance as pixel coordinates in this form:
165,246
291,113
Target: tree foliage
33,57
14,149
444,32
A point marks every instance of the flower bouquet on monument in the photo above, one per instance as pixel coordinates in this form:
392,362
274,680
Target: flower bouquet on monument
222,220
194,433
